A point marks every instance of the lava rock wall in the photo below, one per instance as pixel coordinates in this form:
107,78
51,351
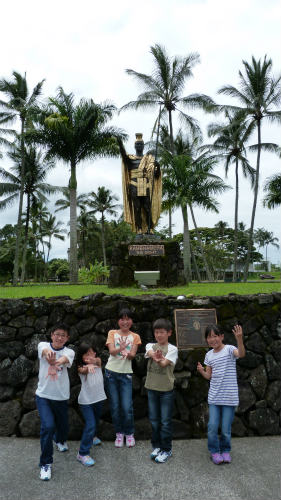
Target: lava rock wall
24,323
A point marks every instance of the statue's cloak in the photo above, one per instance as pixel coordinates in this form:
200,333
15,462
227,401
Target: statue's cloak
155,191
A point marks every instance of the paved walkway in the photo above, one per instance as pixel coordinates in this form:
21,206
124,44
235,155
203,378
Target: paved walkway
130,474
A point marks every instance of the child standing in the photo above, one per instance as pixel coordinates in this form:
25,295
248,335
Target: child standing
90,399
223,397
52,394
160,389
122,345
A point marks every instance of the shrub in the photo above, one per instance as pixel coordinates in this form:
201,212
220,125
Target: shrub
97,273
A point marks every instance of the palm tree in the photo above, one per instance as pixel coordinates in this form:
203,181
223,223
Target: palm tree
64,203
74,133
38,215
192,183
103,202
259,94
272,187
20,104
265,238
230,146
51,228
165,86
35,189
87,230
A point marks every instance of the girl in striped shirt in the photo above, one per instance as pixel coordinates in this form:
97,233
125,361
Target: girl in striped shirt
220,369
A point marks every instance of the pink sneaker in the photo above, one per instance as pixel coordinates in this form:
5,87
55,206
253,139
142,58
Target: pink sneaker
226,458
130,441
216,458
119,441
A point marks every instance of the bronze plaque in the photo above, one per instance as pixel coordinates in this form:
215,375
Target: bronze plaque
190,326
151,250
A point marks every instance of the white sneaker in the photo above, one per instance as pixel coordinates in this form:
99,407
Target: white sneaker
163,457
154,453
62,446
45,472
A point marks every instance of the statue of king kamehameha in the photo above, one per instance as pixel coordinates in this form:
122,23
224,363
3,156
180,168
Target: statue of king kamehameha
142,188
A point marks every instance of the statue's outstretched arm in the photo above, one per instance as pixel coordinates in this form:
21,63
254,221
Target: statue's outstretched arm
157,170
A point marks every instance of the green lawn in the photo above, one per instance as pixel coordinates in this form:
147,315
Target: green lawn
76,291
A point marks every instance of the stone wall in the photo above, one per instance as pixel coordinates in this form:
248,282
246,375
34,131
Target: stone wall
24,323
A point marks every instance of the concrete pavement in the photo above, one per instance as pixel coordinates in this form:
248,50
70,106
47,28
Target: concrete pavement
130,474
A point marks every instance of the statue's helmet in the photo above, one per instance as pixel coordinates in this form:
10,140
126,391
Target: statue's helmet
139,138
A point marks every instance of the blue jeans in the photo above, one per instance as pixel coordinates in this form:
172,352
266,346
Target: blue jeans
54,425
220,415
119,391
160,407
91,414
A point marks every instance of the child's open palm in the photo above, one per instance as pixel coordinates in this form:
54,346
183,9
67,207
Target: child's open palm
237,331
158,355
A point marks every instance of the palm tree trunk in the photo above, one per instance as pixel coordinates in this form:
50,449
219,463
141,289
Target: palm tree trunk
208,272
251,230
195,265
19,224
171,132
25,241
102,240
186,246
236,223
170,222
36,261
73,266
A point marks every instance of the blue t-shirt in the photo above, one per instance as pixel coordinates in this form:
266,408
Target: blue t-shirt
223,384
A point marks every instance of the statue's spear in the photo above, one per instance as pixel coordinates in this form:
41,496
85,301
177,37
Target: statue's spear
156,153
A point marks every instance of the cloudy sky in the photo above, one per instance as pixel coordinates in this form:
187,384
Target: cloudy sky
86,46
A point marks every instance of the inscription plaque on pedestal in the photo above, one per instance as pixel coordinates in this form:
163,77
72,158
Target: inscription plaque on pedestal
190,326
151,250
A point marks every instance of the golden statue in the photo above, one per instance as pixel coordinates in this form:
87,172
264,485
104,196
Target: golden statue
142,188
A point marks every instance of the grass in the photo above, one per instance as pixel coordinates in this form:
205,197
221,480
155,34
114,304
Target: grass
196,289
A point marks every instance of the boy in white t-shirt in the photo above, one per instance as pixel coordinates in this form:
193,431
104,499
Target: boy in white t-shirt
52,394
160,389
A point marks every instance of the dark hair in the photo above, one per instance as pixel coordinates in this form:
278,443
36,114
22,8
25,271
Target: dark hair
82,349
162,323
60,326
125,312
210,328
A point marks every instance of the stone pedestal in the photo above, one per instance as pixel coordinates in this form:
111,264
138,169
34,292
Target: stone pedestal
124,265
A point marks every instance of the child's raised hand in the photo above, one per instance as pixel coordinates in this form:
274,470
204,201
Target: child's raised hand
158,355
51,357
91,368
200,368
237,331
122,345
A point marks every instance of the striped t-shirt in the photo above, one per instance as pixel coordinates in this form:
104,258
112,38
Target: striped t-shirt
223,384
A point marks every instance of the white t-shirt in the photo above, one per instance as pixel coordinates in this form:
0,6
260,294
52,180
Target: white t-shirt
92,389
223,384
54,389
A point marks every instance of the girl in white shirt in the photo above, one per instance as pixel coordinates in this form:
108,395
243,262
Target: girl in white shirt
90,399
